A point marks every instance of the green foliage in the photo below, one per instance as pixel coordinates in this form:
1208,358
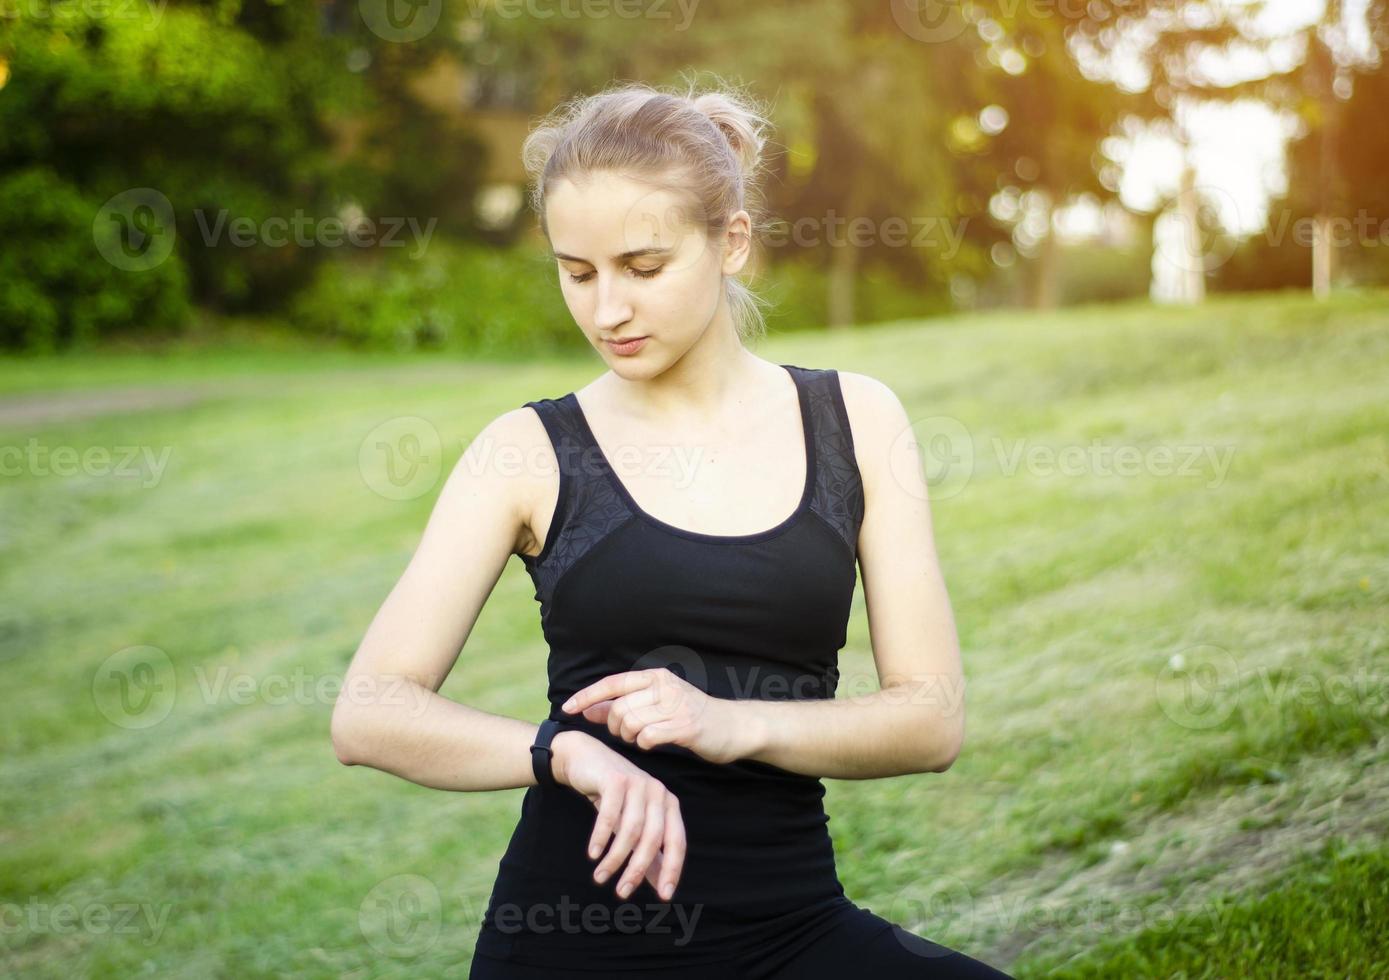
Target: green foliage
456,296
228,111
1092,273
216,108
55,288
798,298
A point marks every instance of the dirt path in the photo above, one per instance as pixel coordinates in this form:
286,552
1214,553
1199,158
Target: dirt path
65,406
1179,862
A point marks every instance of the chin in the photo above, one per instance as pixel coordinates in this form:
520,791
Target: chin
635,369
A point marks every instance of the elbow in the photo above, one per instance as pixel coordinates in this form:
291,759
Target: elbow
342,732
945,746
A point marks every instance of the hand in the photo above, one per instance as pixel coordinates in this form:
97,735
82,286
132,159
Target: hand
643,811
656,707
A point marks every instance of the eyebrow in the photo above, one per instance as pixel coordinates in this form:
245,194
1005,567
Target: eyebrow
635,253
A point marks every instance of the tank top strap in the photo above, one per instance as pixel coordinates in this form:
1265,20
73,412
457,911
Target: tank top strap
587,508
838,495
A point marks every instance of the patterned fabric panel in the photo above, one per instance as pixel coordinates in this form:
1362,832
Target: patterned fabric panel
589,507
838,494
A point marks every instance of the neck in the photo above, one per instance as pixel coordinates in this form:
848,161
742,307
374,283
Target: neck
711,382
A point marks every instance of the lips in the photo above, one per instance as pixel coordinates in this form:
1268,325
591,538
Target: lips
628,345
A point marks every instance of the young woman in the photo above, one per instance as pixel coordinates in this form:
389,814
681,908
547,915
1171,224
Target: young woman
694,598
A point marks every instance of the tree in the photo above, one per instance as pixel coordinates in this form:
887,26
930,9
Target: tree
1179,48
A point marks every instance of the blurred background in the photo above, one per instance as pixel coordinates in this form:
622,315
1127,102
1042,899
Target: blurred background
266,268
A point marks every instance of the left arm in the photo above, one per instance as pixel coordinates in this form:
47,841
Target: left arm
915,721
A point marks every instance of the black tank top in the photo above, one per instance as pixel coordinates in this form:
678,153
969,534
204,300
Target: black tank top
759,615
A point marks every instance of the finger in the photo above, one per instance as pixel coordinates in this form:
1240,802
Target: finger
661,733
609,810
652,831
653,871
629,829
673,849
598,713
614,685
629,712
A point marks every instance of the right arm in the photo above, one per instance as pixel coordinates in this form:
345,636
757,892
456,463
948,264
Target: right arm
390,716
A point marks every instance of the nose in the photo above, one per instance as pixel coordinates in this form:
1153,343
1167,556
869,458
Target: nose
612,309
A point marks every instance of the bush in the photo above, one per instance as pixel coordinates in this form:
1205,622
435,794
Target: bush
466,297
58,287
797,291
1099,273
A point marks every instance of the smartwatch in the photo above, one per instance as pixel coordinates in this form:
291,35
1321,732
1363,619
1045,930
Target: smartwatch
542,755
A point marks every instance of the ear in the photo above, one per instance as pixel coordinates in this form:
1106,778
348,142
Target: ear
737,242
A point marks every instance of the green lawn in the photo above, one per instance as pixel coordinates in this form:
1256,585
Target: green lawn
1176,760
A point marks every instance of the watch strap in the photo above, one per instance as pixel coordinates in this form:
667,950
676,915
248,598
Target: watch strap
542,755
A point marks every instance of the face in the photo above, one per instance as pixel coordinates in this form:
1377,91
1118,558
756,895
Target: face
632,264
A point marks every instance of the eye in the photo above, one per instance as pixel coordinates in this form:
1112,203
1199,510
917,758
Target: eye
639,273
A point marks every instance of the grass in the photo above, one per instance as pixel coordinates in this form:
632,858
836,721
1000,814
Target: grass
1177,696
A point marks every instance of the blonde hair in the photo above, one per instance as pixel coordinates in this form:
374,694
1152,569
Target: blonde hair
706,145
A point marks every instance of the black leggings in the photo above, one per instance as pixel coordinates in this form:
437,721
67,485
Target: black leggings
861,945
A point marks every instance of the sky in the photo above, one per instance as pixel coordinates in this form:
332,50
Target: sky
1237,149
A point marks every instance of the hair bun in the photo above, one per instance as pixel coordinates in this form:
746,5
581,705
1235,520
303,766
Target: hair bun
741,125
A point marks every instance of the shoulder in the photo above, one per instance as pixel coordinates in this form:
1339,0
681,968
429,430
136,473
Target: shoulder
513,454
873,407
877,418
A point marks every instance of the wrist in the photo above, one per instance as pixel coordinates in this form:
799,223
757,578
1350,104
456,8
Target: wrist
751,732
562,747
